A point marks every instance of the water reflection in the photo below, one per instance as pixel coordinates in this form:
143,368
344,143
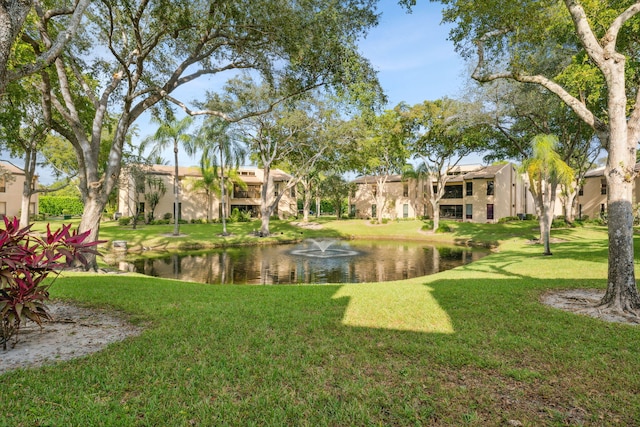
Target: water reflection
369,261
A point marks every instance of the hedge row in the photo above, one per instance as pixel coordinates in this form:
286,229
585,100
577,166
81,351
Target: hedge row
58,205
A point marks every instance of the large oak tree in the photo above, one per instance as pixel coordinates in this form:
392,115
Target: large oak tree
511,41
134,55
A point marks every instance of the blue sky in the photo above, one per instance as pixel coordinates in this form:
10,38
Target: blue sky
414,59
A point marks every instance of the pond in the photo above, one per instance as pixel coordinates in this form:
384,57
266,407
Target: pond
312,261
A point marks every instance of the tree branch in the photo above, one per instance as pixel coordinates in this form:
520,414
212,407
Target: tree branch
575,104
48,57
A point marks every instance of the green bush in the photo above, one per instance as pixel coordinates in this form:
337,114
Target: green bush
444,228
508,219
124,220
58,205
167,215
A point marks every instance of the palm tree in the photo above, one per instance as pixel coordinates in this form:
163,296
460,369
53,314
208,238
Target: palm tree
546,171
221,150
173,132
208,182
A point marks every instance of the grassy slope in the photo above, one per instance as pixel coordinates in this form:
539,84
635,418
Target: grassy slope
470,346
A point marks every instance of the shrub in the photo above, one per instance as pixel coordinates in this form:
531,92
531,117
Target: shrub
444,228
57,205
25,262
124,220
167,215
508,219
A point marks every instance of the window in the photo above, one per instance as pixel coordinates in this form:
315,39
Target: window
375,190
3,184
603,186
405,189
3,209
373,211
293,191
490,211
452,192
603,208
252,192
451,211
352,210
276,189
469,188
405,211
469,211
581,191
490,188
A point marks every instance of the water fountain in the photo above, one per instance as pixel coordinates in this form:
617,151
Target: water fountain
324,249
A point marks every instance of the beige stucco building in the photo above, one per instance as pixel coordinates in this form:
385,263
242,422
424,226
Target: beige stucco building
591,200
11,186
194,203
472,193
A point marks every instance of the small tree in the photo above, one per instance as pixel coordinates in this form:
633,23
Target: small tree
336,189
157,189
25,262
546,172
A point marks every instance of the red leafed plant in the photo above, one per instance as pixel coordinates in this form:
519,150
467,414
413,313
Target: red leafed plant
26,259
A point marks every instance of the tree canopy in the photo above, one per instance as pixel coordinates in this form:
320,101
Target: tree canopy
585,52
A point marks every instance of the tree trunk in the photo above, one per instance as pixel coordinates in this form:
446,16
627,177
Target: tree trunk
93,207
622,293
24,210
547,205
306,200
266,207
176,192
436,213
569,206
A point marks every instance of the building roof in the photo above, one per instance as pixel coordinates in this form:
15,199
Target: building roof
596,172
486,172
8,167
458,174
369,179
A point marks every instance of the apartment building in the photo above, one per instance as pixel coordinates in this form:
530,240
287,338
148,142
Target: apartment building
472,193
591,200
12,180
194,202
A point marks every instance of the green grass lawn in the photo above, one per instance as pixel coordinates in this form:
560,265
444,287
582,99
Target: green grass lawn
469,346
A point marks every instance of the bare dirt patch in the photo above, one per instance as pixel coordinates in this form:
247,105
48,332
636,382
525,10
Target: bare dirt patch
585,302
73,332
308,225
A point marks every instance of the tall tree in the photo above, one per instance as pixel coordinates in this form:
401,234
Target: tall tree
440,134
336,189
379,153
222,155
546,172
596,38
295,133
140,52
173,132
25,134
